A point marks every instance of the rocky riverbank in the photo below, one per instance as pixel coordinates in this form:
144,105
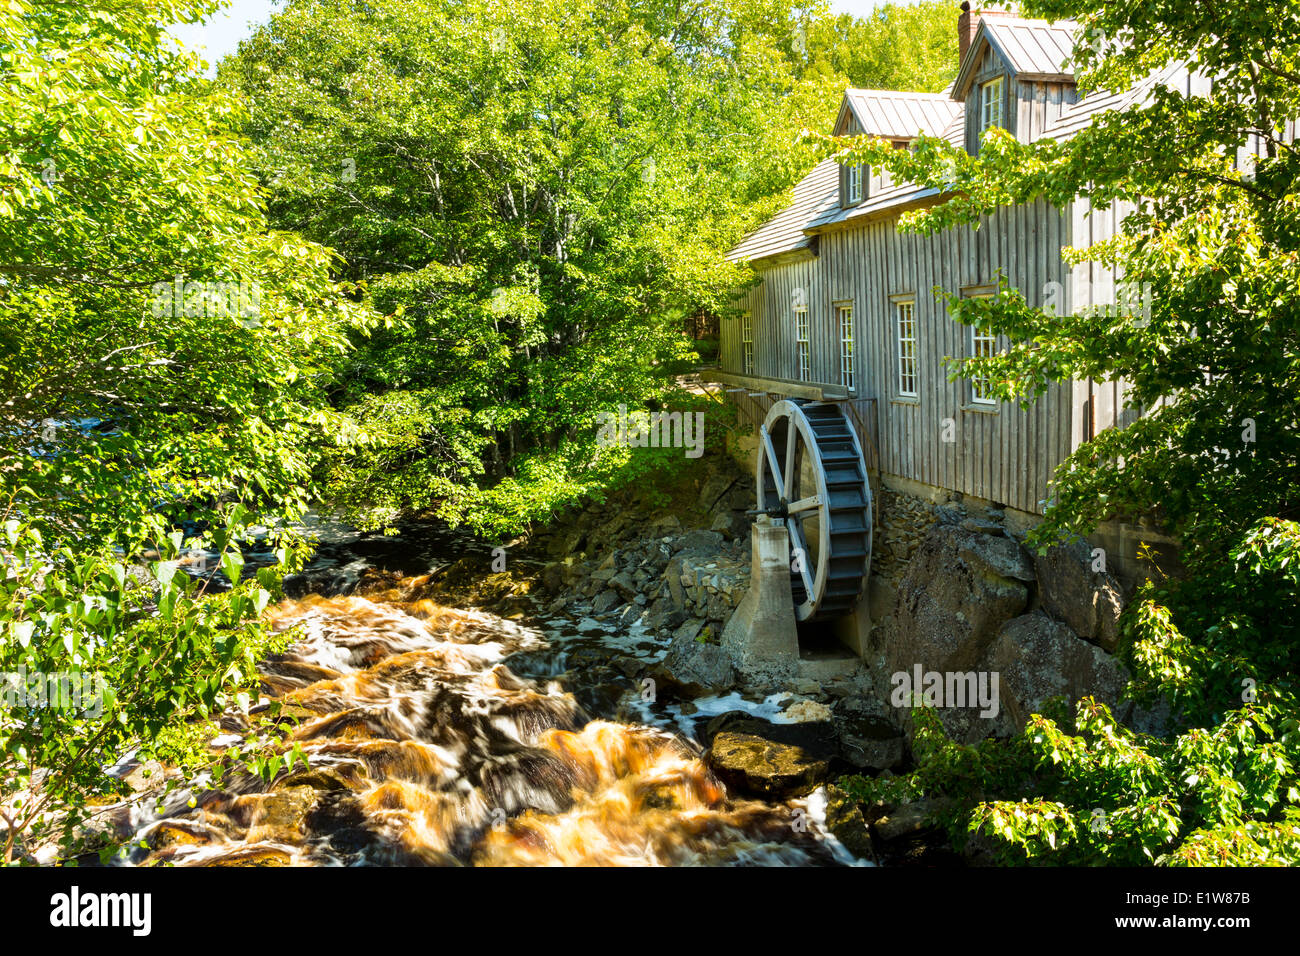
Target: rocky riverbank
965,596
627,601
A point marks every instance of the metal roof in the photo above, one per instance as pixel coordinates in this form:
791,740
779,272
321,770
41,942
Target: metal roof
894,194
893,114
1031,48
1080,114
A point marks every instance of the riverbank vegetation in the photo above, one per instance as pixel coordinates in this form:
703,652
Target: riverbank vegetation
394,258
1214,252
397,256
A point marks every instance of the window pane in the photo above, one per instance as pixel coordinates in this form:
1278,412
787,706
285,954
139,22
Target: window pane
991,104
747,343
802,350
983,345
845,316
905,317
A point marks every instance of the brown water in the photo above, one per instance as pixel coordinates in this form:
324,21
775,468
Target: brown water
427,745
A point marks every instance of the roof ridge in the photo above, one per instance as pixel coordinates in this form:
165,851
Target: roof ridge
862,89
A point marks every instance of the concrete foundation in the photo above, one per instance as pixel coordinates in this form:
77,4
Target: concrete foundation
761,636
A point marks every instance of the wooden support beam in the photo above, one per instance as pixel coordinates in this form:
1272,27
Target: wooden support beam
776,386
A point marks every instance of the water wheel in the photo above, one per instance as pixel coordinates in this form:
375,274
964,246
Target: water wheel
812,477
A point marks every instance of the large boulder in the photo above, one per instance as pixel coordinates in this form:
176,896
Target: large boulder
692,668
910,819
1036,658
845,820
959,588
764,768
871,743
715,487
698,541
1088,601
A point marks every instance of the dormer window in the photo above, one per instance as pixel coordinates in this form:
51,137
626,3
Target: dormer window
991,103
852,185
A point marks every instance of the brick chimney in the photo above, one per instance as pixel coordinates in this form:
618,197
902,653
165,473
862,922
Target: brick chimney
967,24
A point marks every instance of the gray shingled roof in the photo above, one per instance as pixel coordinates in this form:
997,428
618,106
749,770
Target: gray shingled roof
1080,114
784,232
893,195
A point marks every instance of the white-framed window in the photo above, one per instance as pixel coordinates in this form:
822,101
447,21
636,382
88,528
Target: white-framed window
852,185
747,344
802,347
905,333
844,319
991,103
982,345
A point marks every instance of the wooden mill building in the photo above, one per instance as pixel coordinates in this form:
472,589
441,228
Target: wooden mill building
845,305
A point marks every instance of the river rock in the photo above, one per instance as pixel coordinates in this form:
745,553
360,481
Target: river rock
844,819
673,578
909,819
997,556
694,669
1088,601
773,761
764,768
178,833
253,856
624,585
327,578
664,525
980,526
871,743
688,631
663,616
698,540
280,815
1037,658
605,601
715,487
732,525
553,576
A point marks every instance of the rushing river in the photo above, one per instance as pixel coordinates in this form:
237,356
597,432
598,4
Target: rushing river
439,735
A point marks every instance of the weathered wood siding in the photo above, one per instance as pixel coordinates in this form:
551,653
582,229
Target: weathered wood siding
1028,106
1096,405
1036,105
1002,453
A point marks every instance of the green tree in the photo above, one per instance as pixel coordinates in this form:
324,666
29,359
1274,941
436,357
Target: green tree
910,47
1215,368
538,196
164,358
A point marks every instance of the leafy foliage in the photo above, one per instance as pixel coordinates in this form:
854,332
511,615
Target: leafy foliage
1215,369
910,47
1212,242
539,198
164,358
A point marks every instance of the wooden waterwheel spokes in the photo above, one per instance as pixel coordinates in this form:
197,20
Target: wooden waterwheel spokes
812,477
